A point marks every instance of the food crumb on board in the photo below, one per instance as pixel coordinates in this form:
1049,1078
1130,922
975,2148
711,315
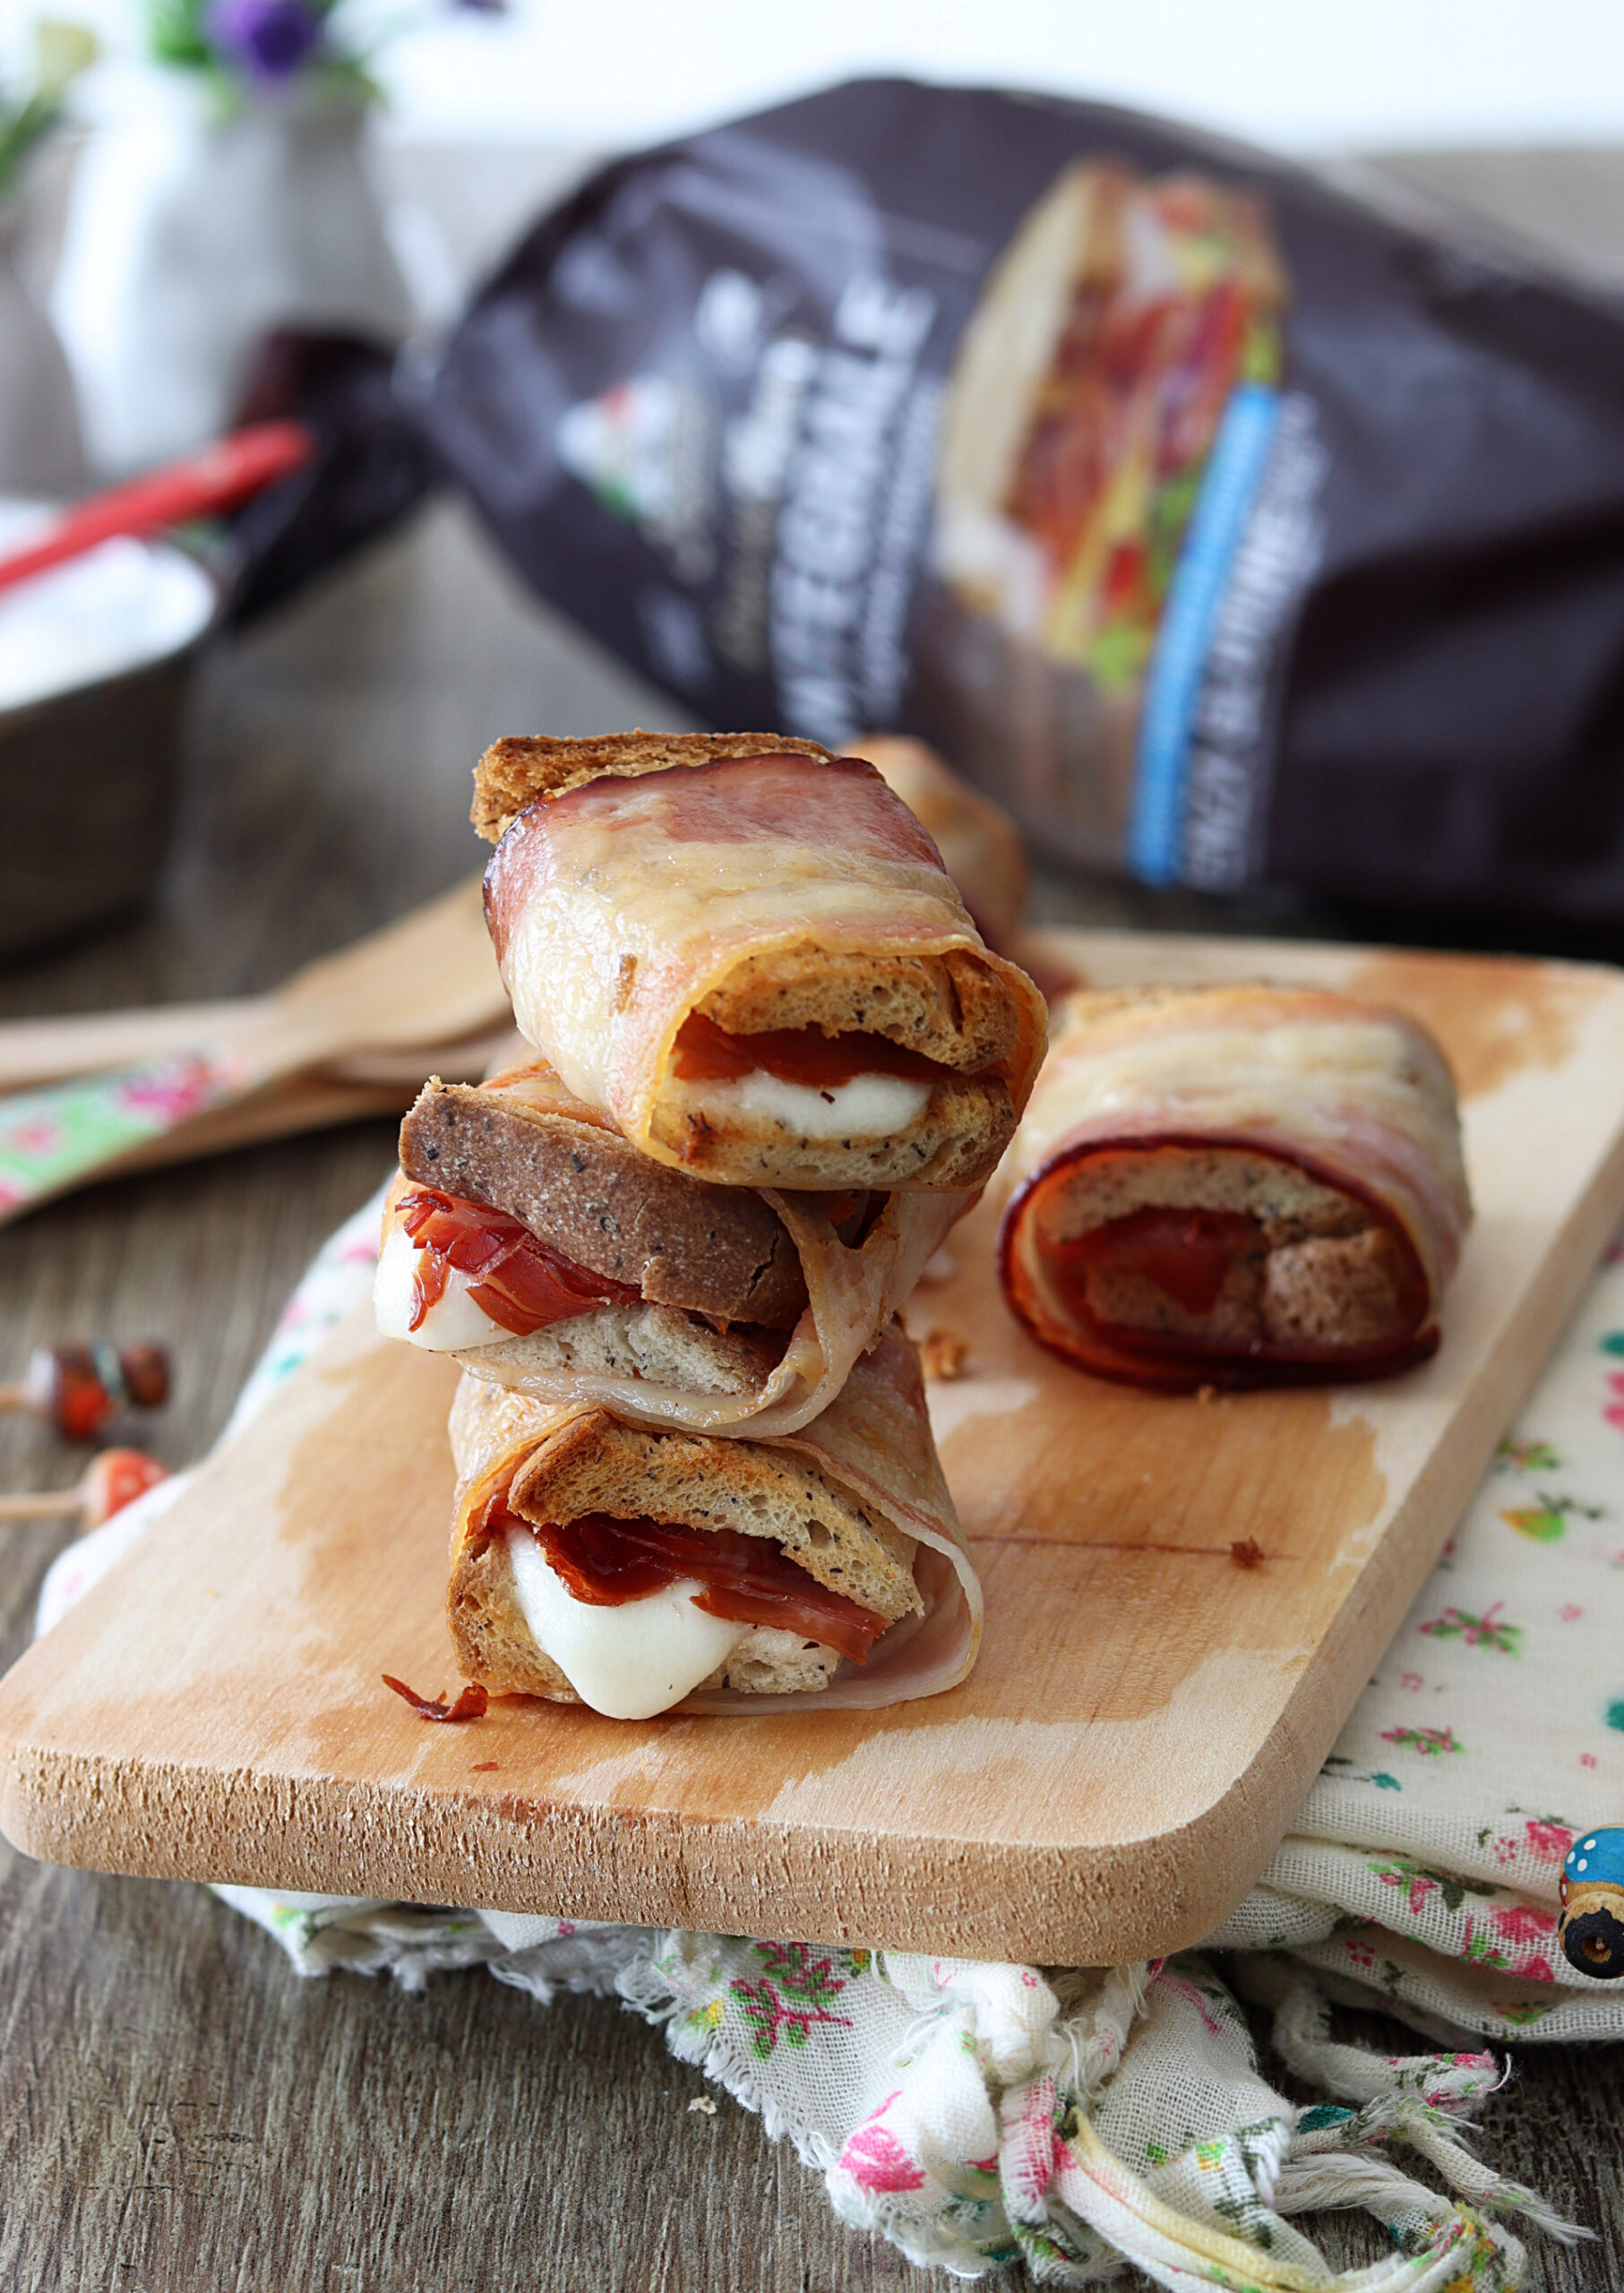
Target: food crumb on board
1205,1395
469,1705
1245,1554
942,1355
483,1767
704,2104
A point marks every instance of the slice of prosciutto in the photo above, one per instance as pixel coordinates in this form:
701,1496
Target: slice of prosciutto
757,968
560,1478
516,1281
1234,1186
607,1562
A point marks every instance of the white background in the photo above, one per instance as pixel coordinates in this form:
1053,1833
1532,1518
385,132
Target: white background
1308,76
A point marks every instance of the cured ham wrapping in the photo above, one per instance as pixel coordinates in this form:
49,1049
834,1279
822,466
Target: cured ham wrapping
1235,1186
849,1516
666,910
979,845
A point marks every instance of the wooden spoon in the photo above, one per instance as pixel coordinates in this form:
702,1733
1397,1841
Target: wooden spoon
430,978
425,982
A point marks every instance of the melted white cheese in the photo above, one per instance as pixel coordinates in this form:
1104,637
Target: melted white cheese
870,1107
451,1324
629,1662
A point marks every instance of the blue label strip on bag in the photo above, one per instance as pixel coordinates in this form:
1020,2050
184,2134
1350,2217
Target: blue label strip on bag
1173,689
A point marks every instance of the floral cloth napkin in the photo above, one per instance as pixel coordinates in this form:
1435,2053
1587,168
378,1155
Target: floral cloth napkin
1077,2118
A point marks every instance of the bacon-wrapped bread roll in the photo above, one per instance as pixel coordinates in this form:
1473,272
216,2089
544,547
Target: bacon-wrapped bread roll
979,845
528,1238
642,1571
1234,1186
748,956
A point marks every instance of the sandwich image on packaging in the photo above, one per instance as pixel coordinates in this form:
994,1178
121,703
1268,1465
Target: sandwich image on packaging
1086,395
640,1570
747,956
527,1237
1125,350
1234,1186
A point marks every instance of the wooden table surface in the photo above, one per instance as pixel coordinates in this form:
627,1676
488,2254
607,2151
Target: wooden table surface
177,2108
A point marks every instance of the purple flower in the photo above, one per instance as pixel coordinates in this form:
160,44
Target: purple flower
269,39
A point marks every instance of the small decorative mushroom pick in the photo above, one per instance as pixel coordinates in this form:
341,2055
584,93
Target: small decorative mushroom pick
110,1482
79,1389
1592,1932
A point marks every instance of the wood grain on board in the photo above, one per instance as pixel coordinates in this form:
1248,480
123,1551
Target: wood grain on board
1148,1712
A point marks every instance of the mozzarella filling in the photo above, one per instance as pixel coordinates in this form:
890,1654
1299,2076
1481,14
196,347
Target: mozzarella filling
630,1661
870,1107
452,1322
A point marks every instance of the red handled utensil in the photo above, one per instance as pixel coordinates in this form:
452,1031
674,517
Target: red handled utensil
201,485
78,1389
114,1479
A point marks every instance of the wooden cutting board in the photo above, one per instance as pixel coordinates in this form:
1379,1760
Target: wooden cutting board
1148,1712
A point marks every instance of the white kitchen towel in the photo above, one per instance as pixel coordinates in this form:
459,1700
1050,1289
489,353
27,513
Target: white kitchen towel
977,2113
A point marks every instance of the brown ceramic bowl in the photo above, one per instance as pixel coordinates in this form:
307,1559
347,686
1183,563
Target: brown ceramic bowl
88,779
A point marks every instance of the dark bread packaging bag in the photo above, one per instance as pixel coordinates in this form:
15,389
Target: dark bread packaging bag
1231,532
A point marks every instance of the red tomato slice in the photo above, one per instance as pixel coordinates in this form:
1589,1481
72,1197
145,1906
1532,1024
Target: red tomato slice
707,1053
1187,1253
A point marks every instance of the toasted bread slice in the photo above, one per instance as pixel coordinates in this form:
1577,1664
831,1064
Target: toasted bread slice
655,1345
588,1193
513,772
950,1007
952,1143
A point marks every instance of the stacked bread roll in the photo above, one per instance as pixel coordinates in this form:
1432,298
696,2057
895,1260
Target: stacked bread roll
774,1061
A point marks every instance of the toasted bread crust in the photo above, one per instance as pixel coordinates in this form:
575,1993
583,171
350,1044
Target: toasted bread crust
953,1145
514,771
589,1193
1289,1202
598,1465
950,1008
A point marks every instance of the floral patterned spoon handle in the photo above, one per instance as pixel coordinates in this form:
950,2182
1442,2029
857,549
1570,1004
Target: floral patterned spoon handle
428,981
